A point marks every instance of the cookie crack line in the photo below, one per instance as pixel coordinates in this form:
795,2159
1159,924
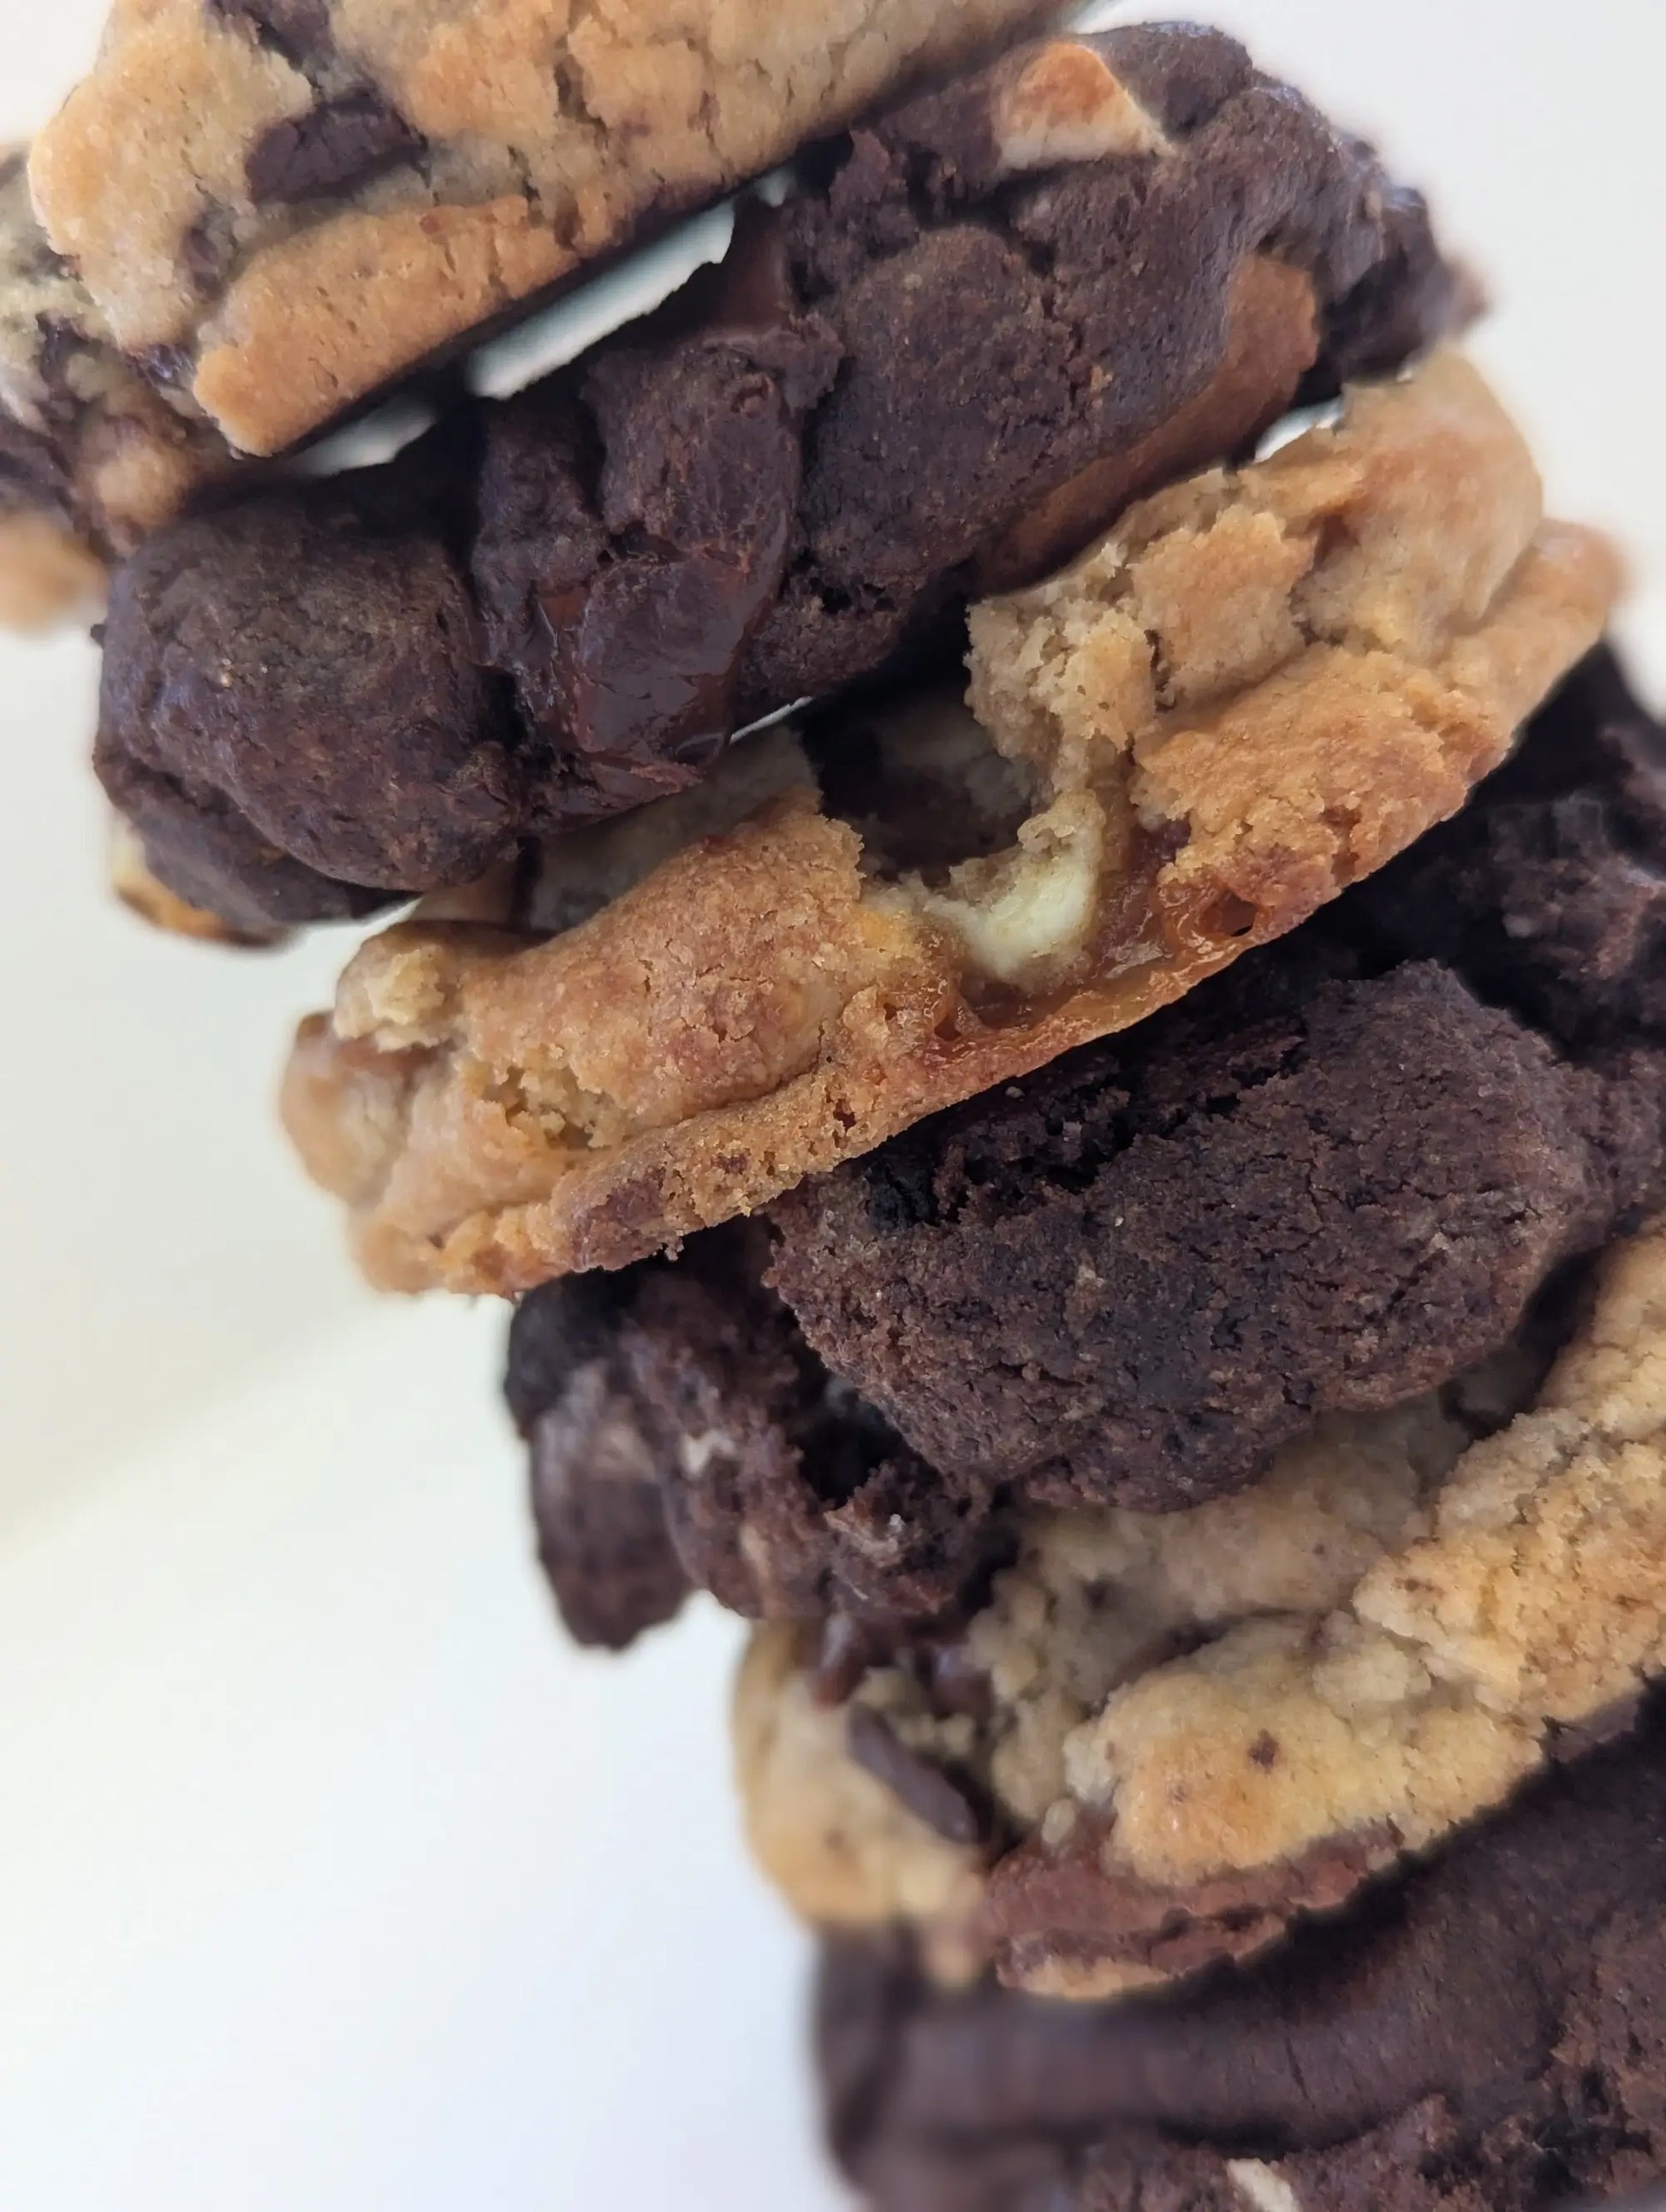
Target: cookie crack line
865,1004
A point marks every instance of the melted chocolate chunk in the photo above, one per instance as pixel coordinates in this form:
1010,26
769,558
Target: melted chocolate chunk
931,1792
300,30
335,147
1487,2035
601,1529
626,637
32,475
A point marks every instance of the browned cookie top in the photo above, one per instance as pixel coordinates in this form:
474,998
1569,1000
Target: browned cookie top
980,329
1487,2036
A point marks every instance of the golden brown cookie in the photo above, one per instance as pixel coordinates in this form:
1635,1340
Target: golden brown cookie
1195,1729
1261,686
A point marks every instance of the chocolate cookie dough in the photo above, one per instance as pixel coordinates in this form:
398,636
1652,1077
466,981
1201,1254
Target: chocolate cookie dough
281,204
1266,683
1489,2035
981,330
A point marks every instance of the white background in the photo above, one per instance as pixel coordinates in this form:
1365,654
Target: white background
330,1877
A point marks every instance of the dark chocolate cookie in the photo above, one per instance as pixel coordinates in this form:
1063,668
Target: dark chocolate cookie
1548,890
1301,1192
596,1500
1487,2035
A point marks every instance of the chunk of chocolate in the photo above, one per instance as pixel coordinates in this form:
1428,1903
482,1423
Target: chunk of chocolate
335,146
596,1497
300,675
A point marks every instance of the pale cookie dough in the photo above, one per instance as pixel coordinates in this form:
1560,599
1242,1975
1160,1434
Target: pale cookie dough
1262,686
281,204
1200,1727
47,574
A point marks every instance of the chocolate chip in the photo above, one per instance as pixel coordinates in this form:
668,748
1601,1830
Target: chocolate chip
627,646
32,473
930,1794
298,29
335,147
205,250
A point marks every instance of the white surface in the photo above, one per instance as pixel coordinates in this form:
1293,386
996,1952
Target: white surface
332,1878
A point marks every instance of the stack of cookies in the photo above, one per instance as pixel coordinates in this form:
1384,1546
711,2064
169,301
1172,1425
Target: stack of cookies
1035,937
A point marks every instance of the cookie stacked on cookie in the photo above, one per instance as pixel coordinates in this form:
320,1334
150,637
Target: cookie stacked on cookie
1034,941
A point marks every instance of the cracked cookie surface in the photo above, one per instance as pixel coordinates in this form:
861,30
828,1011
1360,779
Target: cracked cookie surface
1200,1729
763,1006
